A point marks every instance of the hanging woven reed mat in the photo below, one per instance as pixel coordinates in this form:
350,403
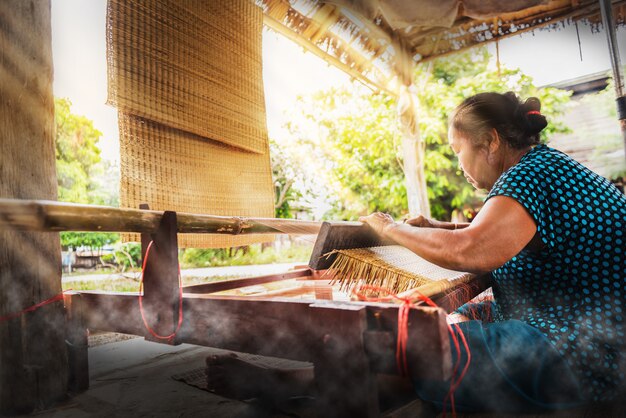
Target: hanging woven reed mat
175,170
392,267
186,77
194,65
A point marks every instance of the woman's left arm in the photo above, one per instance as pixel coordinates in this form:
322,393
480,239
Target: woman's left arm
500,231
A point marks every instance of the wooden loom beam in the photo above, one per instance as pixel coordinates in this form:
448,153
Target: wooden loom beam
285,328
248,281
42,215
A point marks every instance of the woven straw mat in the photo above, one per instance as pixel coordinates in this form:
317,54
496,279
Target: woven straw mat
195,65
174,170
393,267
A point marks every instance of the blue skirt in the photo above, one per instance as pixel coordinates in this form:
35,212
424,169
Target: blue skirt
513,368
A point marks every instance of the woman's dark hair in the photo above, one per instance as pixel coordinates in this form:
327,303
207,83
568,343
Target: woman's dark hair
518,124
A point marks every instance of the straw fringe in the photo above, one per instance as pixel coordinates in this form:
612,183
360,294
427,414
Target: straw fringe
391,267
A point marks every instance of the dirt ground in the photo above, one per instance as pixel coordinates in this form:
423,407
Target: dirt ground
131,377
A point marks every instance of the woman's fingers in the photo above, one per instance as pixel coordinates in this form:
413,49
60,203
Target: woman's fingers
377,221
419,221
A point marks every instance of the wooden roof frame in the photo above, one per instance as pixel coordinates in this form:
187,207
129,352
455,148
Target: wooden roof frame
375,54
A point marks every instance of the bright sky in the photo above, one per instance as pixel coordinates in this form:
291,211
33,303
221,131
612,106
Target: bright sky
552,56
78,44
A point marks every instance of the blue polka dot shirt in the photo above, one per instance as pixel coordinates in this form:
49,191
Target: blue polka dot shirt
573,289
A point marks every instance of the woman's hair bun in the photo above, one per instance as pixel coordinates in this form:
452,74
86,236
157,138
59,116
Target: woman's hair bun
512,97
518,123
532,104
530,117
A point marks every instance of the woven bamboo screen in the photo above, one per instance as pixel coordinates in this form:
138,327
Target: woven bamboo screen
392,267
186,77
170,168
193,65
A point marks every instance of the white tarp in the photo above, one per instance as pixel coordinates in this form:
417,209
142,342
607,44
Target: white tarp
403,14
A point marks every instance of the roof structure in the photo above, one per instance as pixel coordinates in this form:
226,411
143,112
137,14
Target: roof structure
585,84
377,41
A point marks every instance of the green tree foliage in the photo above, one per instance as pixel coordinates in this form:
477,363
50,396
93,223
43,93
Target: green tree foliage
355,148
82,175
91,240
77,153
243,256
295,182
358,136
284,176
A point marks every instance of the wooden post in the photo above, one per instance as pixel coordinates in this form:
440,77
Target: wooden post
160,279
618,80
413,147
33,356
77,344
345,385
413,151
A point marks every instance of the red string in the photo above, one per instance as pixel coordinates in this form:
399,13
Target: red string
34,307
403,336
180,301
454,384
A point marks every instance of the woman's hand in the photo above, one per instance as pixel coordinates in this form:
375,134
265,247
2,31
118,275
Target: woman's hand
422,222
378,221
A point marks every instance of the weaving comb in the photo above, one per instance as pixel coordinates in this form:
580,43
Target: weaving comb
342,236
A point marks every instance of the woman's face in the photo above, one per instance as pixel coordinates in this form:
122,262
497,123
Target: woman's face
474,161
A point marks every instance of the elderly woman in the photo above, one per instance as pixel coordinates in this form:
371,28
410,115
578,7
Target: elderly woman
551,232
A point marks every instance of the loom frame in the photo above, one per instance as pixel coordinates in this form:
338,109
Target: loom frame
358,338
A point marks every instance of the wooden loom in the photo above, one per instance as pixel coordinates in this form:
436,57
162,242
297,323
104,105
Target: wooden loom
297,321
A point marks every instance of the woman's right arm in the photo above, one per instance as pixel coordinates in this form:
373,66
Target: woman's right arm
500,231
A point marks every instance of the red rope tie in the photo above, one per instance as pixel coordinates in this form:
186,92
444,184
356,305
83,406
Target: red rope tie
53,299
403,318
403,336
170,337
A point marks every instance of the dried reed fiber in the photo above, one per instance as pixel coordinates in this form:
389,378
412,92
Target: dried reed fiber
174,170
193,65
392,267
